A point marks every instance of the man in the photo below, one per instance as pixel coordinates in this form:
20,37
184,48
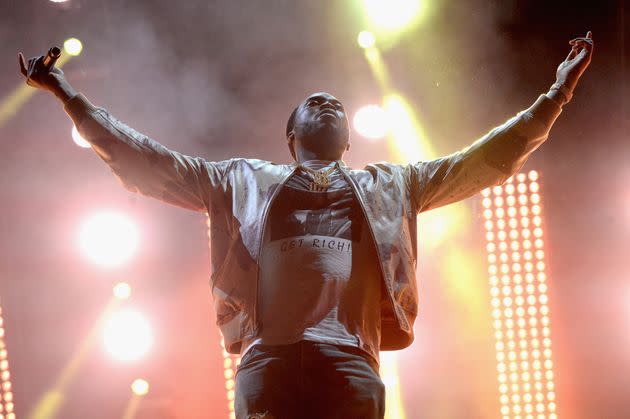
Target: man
313,264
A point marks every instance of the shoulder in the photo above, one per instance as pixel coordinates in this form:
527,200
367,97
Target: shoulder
382,168
381,172
385,166
257,165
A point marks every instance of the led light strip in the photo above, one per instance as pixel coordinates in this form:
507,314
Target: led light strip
230,362
6,402
518,287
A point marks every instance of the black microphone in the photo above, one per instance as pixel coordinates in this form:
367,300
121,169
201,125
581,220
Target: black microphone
53,54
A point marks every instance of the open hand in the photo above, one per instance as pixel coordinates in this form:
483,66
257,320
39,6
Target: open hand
570,70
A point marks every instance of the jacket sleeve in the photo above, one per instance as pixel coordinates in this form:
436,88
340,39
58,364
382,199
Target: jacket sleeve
142,164
489,161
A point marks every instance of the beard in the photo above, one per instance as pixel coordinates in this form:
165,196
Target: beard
323,137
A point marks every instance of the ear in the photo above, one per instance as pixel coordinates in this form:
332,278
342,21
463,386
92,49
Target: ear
291,144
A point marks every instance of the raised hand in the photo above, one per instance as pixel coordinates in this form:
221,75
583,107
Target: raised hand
571,69
38,75
42,77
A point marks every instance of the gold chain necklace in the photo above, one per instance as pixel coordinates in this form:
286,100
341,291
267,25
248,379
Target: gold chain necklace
320,182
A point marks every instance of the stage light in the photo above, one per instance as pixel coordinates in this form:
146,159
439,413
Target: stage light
230,363
515,208
6,399
140,387
229,384
366,39
371,122
390,15
127,335
108,239
122,290
78,139
73,46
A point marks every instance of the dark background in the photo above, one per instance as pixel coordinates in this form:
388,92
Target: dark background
218,79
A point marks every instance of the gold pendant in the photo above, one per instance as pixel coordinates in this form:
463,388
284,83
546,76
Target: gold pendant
320,182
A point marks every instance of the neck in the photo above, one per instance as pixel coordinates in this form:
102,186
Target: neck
306,155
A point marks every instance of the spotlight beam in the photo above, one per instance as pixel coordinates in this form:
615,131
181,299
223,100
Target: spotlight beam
132,406
408,142
50,402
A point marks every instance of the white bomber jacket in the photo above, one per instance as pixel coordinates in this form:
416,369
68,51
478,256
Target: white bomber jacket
238,193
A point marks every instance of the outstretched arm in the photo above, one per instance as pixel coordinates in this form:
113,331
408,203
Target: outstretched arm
502,152
142,164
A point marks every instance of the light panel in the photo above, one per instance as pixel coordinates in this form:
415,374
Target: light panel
230,363
518,287
7,407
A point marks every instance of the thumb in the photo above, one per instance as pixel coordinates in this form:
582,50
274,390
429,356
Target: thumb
22,64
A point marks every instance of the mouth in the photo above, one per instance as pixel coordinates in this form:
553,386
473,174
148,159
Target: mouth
327,113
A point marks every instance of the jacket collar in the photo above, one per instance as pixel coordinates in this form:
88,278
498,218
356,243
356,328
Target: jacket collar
340,163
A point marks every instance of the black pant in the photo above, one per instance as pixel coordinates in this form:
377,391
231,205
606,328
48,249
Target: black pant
308,380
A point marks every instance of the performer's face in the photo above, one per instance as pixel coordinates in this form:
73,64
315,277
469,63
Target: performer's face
321,127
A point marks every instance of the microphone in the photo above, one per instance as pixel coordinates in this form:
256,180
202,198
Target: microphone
53,54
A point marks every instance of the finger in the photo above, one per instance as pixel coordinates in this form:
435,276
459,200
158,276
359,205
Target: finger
23,69
572,54
588,46
589,35
31,64
581,40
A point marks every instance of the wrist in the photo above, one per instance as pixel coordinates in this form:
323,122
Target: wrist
557,97
62,89
559,91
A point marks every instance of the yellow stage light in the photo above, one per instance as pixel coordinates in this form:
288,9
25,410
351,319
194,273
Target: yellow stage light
108,239
73,46
140,387
127,335
371,122
392,15
366,39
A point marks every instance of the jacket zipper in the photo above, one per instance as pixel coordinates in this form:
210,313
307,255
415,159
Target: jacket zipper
378,252
260,242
